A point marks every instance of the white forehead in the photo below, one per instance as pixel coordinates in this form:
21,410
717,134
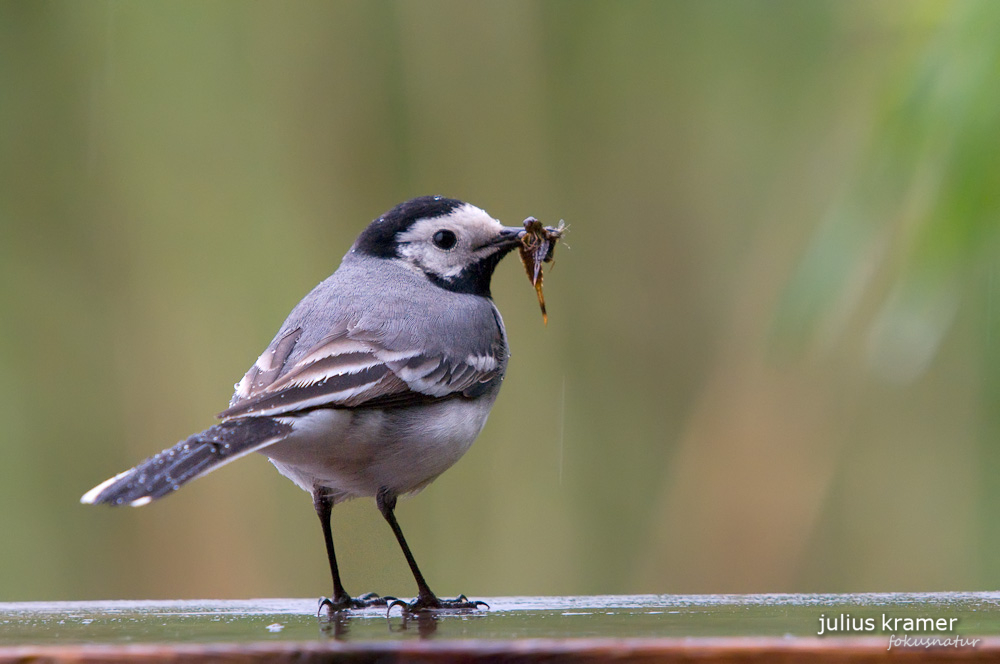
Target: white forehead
468,222
473,229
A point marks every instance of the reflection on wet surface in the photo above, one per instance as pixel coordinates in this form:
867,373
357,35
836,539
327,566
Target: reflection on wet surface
271,620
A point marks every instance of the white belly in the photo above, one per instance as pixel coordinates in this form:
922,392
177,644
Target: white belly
357,452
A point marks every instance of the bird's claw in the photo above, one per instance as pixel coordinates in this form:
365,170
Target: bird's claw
432,603
347,603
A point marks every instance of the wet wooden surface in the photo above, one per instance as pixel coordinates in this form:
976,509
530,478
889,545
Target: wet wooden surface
713,628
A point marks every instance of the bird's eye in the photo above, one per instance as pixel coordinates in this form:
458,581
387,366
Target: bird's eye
445,239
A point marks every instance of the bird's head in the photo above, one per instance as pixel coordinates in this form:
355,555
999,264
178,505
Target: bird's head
455,244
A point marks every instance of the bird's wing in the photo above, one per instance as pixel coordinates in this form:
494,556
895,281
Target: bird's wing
345,370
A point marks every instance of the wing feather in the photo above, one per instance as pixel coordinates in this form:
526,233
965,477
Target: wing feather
344,372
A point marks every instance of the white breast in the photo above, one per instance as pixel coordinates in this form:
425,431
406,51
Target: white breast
357,452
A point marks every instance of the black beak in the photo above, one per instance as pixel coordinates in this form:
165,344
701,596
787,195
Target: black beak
508,238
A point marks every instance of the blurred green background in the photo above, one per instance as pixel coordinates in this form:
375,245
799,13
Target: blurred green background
772,357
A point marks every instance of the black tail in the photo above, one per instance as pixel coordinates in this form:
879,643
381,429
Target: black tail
199,454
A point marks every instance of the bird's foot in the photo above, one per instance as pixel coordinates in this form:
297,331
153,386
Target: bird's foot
430,602
345,603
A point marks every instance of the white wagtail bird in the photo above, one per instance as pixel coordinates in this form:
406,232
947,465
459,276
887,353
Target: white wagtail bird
378,381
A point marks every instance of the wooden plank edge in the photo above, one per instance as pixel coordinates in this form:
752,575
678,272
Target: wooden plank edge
702,650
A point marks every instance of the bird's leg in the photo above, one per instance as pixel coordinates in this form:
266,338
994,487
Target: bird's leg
324,509
386,505
341,600
426,599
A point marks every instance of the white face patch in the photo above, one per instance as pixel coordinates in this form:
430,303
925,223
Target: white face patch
473,230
